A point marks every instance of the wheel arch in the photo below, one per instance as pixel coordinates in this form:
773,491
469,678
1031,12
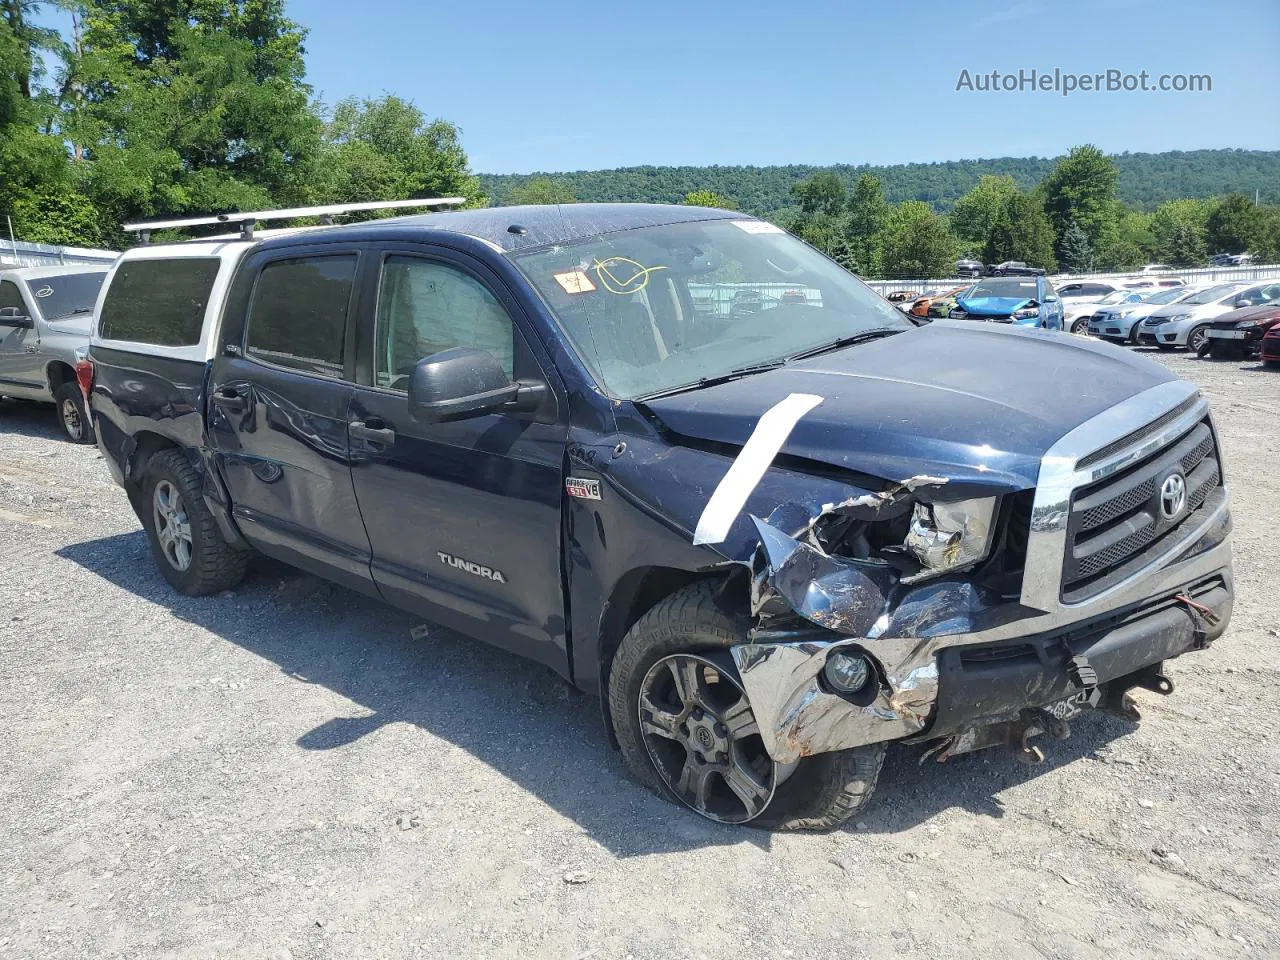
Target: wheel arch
58,373
638,591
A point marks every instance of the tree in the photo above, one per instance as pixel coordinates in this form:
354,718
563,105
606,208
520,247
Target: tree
1075,249
866,214
917,242
975,214
708,198
1179,228
821,193
191,105
1081,187
542,190
1021,231
386,149
1235,225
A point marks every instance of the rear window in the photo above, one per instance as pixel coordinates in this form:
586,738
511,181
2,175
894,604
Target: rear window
67,295
299,314
161,302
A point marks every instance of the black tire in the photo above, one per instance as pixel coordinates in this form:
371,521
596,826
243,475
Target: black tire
1080,326
822,791
1196,337
1273,364
73,418
214,564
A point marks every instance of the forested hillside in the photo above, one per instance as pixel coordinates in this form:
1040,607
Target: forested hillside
1146,179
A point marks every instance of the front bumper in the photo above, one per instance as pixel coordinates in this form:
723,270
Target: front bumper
948,654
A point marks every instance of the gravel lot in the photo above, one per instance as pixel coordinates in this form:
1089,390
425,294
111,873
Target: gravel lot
286,772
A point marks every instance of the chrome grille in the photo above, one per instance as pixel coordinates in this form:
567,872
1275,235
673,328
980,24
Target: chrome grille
1115,525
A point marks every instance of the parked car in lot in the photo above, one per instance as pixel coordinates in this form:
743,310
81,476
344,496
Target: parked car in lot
969,268
1269,350
770,544
45,314
1078,313
1028,301
1238,333
1186,324
1119,324
1085,290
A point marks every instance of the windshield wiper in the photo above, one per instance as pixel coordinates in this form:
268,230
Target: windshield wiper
735,374
848,341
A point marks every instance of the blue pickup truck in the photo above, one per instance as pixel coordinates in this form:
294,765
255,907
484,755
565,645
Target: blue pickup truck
771,541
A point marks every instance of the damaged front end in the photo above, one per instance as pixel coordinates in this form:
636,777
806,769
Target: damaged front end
841,653
928,613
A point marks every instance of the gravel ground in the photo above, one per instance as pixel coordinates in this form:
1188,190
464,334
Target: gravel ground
285,771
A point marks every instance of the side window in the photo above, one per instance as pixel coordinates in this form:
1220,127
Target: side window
298,316
425,306
11,296
1070,289
161,302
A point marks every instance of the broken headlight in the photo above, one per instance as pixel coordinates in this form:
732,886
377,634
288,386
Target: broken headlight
949,536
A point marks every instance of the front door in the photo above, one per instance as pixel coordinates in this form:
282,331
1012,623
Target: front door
19,349
463,517
279,394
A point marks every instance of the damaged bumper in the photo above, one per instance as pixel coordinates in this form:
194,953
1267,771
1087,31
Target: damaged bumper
948,675
948,656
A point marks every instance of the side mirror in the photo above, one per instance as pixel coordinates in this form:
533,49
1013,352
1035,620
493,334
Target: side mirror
465,382
13,317
1050,298
1244,303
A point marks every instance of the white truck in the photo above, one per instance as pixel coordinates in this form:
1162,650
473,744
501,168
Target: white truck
45,315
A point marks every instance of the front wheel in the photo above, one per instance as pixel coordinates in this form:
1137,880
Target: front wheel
687,730
73,418
184,537
1197,338
1080,325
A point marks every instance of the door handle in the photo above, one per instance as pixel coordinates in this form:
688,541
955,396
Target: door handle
372,431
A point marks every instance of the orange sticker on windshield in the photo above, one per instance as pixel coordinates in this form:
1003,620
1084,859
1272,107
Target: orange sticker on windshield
574,281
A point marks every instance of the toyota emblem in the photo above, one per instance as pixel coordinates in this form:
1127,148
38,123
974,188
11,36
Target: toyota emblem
1173,496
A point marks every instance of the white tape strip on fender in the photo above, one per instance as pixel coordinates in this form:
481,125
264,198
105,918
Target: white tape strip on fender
745,472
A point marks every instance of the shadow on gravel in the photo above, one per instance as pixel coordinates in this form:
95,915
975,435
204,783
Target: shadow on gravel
28,419
519,718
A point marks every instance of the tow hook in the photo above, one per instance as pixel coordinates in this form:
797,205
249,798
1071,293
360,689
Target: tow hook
1116,700
1016,733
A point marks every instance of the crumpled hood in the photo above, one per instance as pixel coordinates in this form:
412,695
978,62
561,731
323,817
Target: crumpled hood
1267,311
970,402
992,306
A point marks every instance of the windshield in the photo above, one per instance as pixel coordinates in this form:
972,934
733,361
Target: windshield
656,308
1004,287
1172,295
1118,296
69,295
1212,294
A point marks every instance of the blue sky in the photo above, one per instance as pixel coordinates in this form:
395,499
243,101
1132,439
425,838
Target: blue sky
566,86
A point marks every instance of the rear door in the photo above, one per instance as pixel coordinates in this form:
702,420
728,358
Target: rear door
279,393
463,517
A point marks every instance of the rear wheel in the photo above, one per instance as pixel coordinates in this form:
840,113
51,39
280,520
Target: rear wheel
184,537
73,418
687,730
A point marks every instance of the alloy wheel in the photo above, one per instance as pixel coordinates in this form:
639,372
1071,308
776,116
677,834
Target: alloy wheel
71,420
703,739
1196,340
173,529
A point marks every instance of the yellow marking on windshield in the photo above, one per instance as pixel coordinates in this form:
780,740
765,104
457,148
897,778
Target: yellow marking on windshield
622,275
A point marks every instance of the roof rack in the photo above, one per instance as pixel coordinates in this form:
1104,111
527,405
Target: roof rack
248,220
